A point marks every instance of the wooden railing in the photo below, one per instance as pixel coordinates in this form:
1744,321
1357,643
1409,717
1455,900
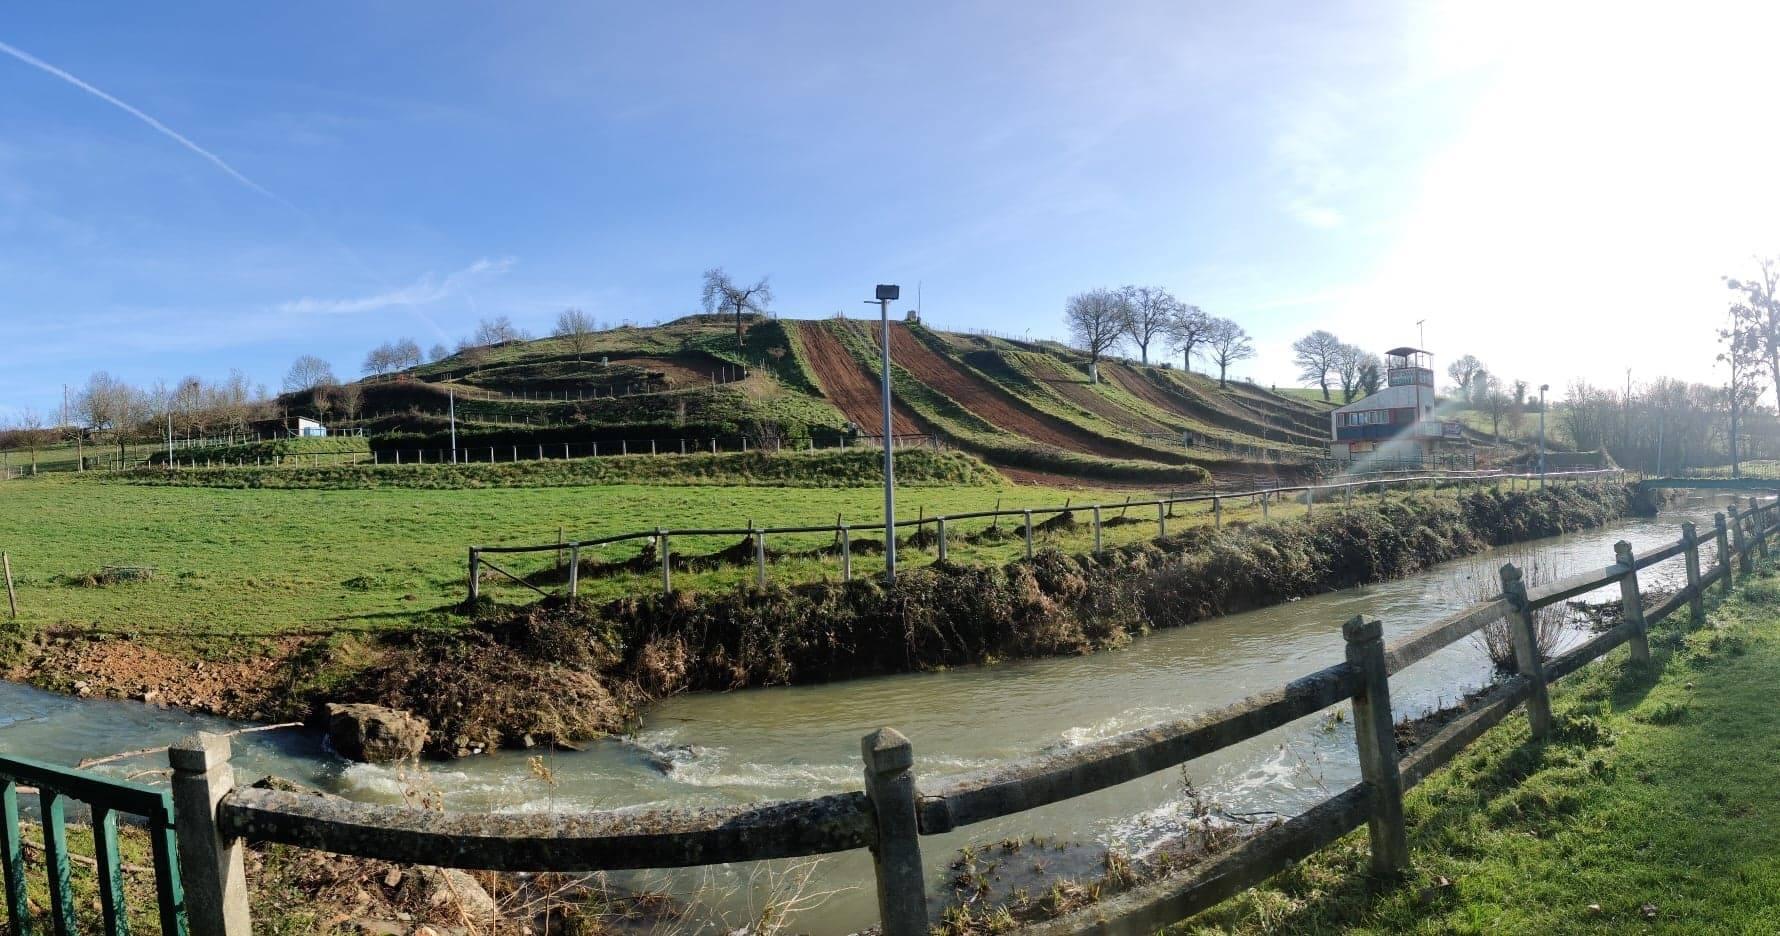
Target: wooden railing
894,811
1307,494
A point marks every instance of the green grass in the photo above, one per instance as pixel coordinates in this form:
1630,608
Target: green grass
852,467
1658,789
1311,395
257,562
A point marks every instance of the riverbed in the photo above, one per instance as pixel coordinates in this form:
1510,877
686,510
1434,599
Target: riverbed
789,742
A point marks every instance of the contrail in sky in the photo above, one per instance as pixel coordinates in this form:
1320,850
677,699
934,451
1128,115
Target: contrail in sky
162,128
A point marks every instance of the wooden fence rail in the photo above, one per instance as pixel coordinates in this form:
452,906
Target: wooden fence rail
896,809
1307,494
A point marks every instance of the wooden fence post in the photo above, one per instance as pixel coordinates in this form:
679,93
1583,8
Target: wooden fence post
475,574
1029,534
1696,602
1217,512
574,570
1096,529
1632,603
1265,512
212,868
1309,501
12,600
1745,563
942,538
667,564
1161,521
1527,661
896,855
1760,520
1375,734
1722,534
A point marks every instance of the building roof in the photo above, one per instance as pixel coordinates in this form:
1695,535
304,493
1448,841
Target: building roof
1405,352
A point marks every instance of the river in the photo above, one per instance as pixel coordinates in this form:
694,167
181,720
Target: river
801,741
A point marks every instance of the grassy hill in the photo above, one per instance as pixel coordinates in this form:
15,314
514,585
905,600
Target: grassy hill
1023,407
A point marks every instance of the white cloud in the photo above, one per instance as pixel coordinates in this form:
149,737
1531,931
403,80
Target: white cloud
426,290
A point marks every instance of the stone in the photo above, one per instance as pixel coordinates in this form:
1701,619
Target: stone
451,888
374,734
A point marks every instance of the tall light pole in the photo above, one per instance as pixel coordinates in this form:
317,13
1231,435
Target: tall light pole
887,294
1542,389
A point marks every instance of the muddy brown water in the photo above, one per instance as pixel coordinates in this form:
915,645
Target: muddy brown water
801,741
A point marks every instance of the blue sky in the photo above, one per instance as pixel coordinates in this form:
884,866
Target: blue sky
1518,175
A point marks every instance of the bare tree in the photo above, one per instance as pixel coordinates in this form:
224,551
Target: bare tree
723,294
378,361
1351,363
1461,371
30,433
1316,354
351,398
576,328
1742,340
1761,293
1226,343
1187,329
497,330
404,354
107,404
307,373
438,352
1097,320
1152,312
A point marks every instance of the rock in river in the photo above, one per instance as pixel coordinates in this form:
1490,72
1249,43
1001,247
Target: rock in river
374,734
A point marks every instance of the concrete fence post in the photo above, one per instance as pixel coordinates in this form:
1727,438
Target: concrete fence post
212,868
1265,511
1217,512
896,855
1097,528
1745,563
1375,735
846,553
1028,534
574,570
1696,602
942,538
1760,515
759,554
667,561
1309,501
1632,603
1161,521
1722,535
1527,662
475,574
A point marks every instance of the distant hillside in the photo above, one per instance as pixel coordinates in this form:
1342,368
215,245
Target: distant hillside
1024,407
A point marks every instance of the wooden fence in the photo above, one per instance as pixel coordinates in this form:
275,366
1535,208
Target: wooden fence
1307,494
896,808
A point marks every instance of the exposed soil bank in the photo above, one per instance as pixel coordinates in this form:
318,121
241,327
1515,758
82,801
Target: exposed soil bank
552,673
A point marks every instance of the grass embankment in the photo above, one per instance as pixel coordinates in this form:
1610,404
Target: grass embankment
560,672
973,433
857,467
1652,809
354,447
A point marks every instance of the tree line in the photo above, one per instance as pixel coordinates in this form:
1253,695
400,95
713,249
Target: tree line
1101,321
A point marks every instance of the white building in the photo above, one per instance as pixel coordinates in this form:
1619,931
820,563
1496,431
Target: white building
1398,418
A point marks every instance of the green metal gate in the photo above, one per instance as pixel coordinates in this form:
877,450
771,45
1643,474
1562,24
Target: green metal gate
107,798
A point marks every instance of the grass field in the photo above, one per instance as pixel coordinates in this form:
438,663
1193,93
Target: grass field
1652,809
263,562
